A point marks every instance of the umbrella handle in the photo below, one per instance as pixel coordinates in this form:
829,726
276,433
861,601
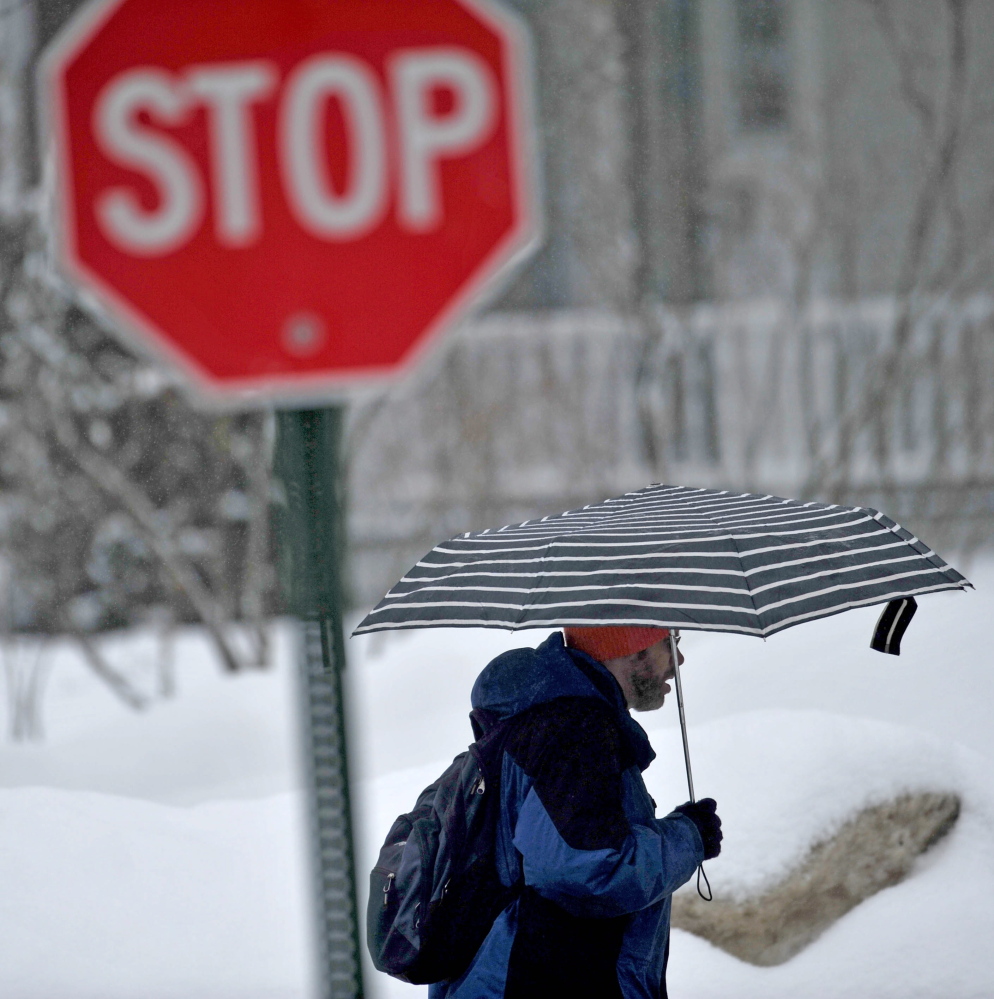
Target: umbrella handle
686,754
674,657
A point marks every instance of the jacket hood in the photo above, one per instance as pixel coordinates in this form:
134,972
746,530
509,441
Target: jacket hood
522,678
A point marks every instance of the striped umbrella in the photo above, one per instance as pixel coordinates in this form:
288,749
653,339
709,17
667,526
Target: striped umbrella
668,556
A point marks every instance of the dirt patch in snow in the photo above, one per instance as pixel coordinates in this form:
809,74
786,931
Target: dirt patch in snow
874,850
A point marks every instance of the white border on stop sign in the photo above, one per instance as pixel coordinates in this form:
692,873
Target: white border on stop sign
137,332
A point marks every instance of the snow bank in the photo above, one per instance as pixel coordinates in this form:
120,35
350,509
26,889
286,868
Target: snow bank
925,938
787,779
106,897
222,736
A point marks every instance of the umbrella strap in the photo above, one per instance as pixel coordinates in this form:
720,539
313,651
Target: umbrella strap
700,874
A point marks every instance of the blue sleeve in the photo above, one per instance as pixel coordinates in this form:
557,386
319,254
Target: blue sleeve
683,849
651,862
580,818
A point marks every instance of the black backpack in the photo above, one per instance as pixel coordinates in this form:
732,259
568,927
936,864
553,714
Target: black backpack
434,893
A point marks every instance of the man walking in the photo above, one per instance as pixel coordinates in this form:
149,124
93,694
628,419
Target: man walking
577,826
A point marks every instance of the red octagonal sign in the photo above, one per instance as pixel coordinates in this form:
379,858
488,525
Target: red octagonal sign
293,196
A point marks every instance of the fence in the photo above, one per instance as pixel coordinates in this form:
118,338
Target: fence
522,414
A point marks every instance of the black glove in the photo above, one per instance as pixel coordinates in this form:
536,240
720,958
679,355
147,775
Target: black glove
704,815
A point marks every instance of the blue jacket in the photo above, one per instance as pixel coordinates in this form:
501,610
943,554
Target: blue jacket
578,830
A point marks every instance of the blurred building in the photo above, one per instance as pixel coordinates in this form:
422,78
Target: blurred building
767,266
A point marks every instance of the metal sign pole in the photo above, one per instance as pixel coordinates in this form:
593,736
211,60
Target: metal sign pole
312,536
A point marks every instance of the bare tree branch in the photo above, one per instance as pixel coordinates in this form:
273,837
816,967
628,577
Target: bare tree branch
114,483
114,680
915,97
258,468
829,471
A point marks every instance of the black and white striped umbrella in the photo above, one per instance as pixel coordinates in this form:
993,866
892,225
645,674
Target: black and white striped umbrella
668,556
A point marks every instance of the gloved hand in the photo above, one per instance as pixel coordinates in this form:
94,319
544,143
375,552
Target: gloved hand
704,815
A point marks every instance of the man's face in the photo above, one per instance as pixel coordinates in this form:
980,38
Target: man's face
643,676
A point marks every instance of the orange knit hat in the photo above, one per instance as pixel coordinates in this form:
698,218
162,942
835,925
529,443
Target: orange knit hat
613,642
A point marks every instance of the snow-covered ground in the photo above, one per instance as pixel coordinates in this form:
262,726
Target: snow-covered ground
162,854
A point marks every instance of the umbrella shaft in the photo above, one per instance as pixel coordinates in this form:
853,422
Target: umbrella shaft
683,718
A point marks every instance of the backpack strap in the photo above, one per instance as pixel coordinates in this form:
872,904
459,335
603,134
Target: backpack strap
491,733
482,722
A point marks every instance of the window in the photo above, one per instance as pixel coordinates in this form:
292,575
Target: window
762,64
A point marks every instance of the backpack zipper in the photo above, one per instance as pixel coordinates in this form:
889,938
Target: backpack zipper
386,888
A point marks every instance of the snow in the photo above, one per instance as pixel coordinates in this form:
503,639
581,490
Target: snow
110,896
162,854
753,763
926,937
158,854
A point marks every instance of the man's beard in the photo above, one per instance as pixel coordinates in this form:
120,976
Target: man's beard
647,690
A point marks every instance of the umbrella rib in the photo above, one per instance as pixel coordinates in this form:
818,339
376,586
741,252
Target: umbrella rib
832,572
868,601
458,622
678,534
576,572
844,586
633,602
566,589
666,511
598,513
629,557
640,570
919,545
646,511
794,581
626,602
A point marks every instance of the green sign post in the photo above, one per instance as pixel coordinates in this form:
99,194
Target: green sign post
308,445
201,202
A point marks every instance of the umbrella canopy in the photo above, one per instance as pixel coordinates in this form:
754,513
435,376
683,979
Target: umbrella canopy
668,556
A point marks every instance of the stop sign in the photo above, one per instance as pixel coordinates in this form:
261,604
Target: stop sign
294,196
